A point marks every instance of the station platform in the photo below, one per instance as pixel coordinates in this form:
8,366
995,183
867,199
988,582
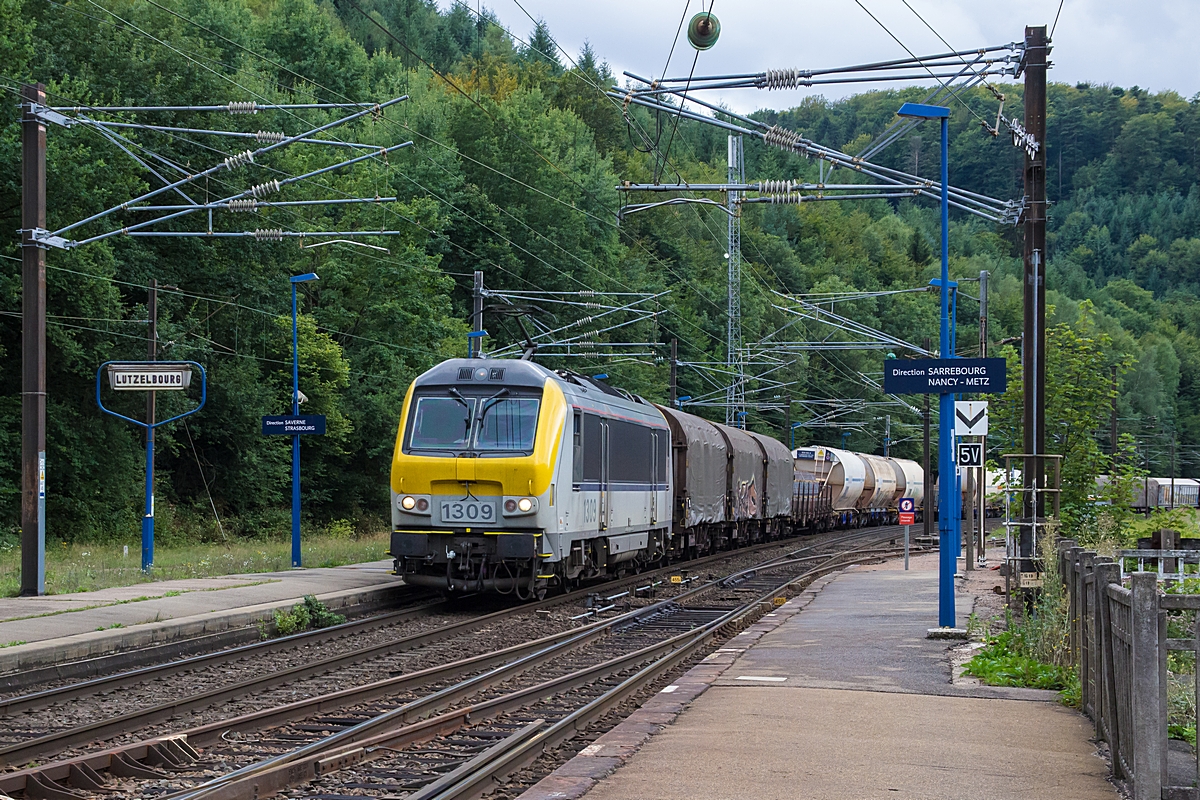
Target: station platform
841,694
78,635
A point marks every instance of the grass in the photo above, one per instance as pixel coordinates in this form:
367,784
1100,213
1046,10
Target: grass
1032,651
88,567
1001,663
310,613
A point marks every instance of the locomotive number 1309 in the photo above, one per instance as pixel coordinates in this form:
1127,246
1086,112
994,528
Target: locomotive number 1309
467,511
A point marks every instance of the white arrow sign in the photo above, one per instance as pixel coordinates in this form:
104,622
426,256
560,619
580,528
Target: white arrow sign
970,418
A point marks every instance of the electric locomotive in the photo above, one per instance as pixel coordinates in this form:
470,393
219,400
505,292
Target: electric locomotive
509,477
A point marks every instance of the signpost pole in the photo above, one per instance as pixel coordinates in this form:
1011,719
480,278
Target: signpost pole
906,530
969,513
150,376
947,519
148,518
296,557
948,522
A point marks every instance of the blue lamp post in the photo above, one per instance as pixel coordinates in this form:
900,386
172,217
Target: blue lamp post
948,521
295,279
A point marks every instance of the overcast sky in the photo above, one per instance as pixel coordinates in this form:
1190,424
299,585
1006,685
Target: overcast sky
1154,44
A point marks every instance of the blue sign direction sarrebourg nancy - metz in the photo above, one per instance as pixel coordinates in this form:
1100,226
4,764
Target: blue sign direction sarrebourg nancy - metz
290,426
945,376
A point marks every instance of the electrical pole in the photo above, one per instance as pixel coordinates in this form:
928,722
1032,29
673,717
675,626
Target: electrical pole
1112,419
1034,341
887,435
735,399
674,374
476,347
33,345
152,352
787,422
1172,469
981,483
926,517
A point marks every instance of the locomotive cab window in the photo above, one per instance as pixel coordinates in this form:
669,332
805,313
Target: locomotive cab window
449,421
507,424
441,423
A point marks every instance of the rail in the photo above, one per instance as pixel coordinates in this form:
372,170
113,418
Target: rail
139,760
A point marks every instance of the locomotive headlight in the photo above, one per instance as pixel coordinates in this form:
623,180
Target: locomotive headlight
516,506
413,503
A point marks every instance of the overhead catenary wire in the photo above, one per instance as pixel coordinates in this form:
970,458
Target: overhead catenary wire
429,66
701,295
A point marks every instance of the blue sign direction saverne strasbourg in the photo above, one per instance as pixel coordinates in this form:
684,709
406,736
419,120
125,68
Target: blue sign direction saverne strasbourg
289,425
945,376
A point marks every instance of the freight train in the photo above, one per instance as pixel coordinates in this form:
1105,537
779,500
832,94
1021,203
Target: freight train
510,477
1151,494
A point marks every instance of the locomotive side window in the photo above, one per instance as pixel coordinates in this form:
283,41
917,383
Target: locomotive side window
664,440
442,423
592,450
631,456
577,450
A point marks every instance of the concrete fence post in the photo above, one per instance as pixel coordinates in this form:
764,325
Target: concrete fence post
1076,588
1083,611
1107,724
1149,728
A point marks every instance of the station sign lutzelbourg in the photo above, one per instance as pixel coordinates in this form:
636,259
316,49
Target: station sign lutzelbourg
945,376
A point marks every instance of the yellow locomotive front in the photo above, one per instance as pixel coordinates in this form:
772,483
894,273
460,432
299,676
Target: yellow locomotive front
474,475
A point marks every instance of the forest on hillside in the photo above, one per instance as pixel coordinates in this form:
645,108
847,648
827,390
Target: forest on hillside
513,170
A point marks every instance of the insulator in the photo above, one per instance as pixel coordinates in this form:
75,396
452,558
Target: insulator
781,137
264,189
269,235
243,205
587,293
270,136
238,159
776,187
242,107
787,198
783,79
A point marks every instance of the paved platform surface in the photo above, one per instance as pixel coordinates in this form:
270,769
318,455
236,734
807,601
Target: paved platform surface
840,696
38,631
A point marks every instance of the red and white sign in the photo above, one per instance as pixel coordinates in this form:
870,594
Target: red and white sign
908,515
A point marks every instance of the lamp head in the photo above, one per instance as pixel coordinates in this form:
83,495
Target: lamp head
305,278
703,30
922,111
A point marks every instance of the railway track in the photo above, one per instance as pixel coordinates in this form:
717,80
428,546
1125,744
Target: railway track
279,671
375,729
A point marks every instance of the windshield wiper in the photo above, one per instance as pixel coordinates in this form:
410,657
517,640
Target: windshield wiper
489,403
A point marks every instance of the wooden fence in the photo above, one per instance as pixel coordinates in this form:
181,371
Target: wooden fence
1119,644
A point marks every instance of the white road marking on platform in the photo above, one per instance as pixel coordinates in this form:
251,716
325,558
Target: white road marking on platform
591,750
760,678
669,689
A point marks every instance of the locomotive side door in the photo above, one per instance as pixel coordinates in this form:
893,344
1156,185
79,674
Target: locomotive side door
605,487
654,476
